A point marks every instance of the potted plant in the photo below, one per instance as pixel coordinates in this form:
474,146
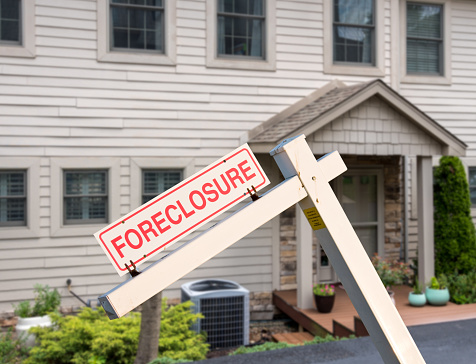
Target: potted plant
437,293
46,300
324,297
391,273
417,297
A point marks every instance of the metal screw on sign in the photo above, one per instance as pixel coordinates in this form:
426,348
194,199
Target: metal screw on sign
133,272
254,196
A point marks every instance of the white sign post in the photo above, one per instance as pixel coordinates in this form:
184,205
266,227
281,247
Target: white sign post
307,183
169,217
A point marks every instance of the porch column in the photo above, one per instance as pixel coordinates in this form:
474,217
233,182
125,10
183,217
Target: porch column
305,298
426,241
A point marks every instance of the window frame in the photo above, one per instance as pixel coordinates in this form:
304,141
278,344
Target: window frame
145,170
113,165
187,165
24,196
26,47
445,77
65,197
31,166
268,63
471,167
105,53
348,68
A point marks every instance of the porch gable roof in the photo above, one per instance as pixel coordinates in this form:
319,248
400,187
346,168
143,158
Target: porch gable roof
334,99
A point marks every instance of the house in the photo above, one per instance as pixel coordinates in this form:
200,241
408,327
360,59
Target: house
106,103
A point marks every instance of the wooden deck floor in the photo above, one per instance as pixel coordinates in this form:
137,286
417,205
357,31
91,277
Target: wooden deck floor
344,314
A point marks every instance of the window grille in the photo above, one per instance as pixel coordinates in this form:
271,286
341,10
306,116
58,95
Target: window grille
13,198
241,28
154,182
85,197
137,25
354,31
424,39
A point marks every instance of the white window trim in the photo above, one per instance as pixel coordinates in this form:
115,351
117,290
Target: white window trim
355,70
444,79
267,64
27,47
58,165
32,228
138,164
168,58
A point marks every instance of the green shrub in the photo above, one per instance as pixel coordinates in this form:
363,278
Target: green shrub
282,345
12,351
455,236
46,300
258,348
462,287
167,360
91,338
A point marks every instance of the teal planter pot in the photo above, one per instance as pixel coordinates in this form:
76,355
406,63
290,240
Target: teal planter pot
417,299
437,297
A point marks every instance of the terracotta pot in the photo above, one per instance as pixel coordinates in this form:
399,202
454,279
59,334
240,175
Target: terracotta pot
324,304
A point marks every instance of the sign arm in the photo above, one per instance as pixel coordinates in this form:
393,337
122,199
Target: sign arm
211,242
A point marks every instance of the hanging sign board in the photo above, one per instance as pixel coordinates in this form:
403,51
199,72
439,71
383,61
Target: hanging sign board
181,210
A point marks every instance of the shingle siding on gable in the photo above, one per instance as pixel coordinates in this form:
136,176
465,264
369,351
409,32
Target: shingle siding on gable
373,128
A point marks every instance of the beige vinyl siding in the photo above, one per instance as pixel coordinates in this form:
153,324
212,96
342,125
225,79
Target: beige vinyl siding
64,103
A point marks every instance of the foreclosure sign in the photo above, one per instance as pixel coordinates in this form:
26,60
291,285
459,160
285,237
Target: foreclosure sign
181,210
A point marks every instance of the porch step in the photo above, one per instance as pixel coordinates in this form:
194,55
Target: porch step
296,338
341,330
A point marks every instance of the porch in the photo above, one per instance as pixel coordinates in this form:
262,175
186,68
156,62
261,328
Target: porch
343,320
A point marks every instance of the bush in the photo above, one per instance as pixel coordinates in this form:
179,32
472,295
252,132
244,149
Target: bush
462,287
91,338
455,236
46,300
282,345
12,351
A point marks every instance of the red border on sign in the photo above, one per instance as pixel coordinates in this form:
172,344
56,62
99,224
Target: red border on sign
174,190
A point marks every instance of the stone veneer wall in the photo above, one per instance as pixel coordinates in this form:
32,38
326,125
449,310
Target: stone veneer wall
393,205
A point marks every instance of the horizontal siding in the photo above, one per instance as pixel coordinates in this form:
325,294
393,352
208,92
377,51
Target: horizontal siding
64,103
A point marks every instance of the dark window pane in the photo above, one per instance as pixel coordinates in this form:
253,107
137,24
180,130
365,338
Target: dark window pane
424,21
12,198
239,27
10,30
120,39
137,18
353,44
358,12
154,3
137,39
10,9
120,1
120,17
157,181
423,56
256,7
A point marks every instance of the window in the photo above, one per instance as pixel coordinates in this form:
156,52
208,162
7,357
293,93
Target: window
10,21
424,39
13,198
17,28
472,185
154,182
354,32
137,25
354,37
241,28
241,34
137,31
85,197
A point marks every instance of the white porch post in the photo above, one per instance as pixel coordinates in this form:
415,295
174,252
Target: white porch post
305,298
426,241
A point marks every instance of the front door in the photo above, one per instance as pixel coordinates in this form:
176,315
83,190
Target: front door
360,193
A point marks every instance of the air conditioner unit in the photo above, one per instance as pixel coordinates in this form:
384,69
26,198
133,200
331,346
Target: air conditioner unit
225,306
